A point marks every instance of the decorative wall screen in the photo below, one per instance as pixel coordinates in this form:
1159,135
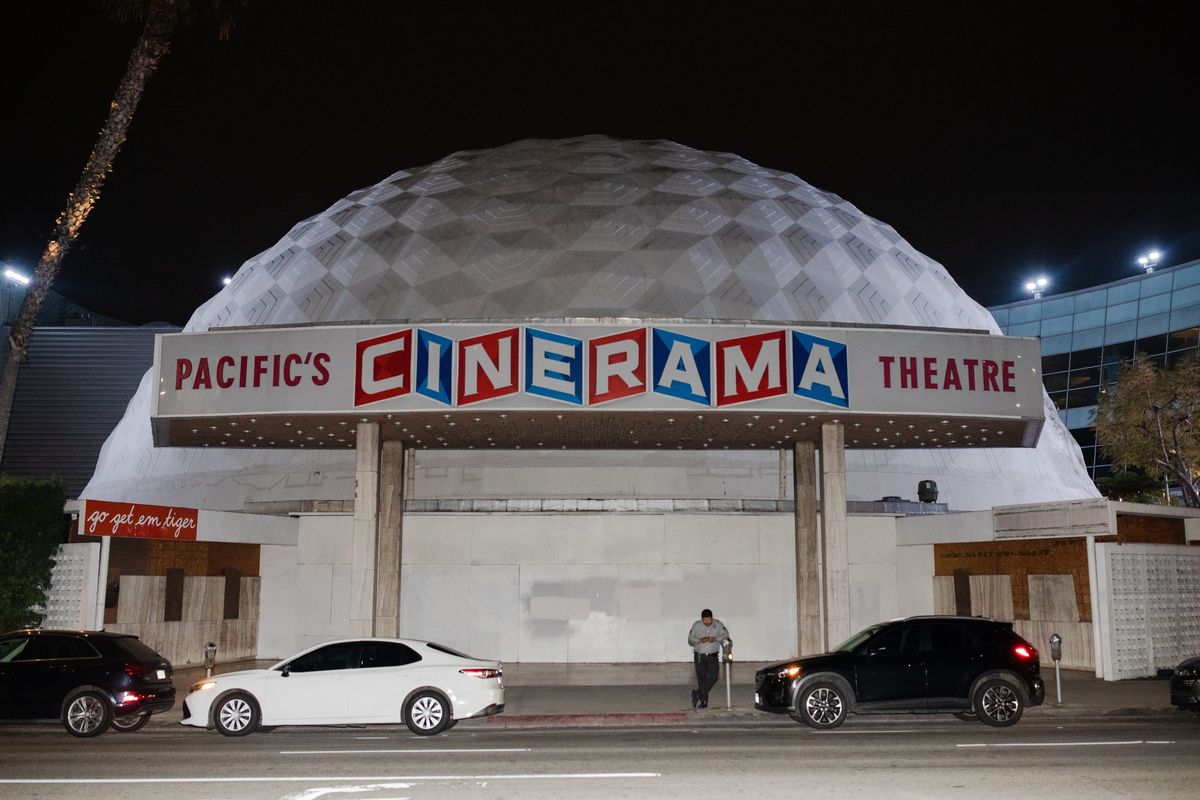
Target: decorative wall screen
71,601
1149,607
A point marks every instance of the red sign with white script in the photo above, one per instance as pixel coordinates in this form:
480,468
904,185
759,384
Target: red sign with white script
138,521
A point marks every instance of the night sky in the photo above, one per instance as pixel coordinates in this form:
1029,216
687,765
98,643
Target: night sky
1002,140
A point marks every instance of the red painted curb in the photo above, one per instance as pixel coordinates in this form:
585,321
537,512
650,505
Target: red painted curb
588,720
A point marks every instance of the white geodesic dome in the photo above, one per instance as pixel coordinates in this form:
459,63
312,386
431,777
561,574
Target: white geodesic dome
589,227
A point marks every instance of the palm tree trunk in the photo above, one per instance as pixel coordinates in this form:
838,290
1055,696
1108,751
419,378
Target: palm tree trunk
153,44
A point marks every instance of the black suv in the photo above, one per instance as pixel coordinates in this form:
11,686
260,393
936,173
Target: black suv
88,680
971,666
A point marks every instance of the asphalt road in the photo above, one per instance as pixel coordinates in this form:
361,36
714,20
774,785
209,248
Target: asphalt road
1151,756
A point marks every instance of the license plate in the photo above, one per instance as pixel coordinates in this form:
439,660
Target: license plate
162,674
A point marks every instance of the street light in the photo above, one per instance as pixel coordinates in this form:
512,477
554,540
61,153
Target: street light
227,280
1149,261
1036,286
16,277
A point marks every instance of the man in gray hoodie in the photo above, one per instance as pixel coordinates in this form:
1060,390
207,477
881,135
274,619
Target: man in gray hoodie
708,637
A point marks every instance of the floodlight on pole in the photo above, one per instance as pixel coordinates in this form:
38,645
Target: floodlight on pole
1149,261
1037,286
227,280
16,277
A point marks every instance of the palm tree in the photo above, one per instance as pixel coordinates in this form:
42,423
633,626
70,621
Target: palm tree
162,18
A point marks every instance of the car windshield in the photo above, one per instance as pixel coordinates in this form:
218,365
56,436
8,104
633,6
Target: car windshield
857,639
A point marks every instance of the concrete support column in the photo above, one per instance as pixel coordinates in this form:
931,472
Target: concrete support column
389,546
366,524
808,582
835,543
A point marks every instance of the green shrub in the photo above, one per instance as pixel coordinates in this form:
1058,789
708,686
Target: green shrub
32,526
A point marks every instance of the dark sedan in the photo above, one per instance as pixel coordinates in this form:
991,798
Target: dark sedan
87,680
970,666
1185,685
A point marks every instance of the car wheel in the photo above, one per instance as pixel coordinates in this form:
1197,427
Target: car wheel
427,713
236,715
966,716
87,714
822,706
130,724
998,703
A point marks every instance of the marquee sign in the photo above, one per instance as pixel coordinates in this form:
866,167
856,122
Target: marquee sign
473,367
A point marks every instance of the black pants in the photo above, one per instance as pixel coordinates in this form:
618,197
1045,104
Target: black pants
707,668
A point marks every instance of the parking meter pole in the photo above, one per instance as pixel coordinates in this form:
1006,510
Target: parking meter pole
727,658
1056,654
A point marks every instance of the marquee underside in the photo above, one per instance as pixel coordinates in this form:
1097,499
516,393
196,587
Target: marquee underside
715,429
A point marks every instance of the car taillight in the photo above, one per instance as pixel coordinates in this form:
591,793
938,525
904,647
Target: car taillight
1025,651
135,670
477,672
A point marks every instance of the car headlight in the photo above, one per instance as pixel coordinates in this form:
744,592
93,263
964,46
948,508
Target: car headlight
202,686
790,671
1190,671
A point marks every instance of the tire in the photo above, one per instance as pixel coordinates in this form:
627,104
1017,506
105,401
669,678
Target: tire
966,716
130,724
236,714
87,714
822,706
999,703
427,713
450,724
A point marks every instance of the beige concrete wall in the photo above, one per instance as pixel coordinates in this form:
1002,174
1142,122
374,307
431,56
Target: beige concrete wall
140,611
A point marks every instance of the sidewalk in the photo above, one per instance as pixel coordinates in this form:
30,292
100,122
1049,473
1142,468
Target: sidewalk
539,695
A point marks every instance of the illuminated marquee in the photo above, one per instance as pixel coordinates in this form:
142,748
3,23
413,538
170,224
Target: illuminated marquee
664,367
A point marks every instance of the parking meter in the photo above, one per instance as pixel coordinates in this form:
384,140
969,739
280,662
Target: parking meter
210,658
1056,654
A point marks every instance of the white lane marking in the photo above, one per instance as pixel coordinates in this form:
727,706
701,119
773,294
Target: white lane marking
418,750
321,791
369,738
845,733
1057,744
302,778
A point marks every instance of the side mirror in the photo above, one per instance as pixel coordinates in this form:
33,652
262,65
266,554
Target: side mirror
287,670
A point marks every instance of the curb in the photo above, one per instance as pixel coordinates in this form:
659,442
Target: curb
588,720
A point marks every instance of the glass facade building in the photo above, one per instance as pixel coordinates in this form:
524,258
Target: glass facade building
1086,334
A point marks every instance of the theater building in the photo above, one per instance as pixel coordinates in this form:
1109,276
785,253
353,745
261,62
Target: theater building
544,402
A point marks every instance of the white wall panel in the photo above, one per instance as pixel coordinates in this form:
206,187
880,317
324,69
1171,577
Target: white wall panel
277,609
711,539
915,581
577,587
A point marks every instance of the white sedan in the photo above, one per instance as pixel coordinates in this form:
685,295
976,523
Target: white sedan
427,686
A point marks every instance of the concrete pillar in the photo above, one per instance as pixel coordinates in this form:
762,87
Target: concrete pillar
389,547
808,583
835,544
366,524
